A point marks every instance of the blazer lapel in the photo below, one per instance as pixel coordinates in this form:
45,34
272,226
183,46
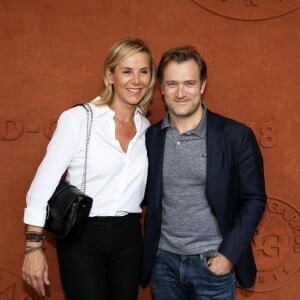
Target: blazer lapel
215,146
157,155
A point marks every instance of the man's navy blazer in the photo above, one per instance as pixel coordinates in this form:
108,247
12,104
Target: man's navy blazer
235,190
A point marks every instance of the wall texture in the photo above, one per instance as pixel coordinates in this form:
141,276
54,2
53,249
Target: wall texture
51,58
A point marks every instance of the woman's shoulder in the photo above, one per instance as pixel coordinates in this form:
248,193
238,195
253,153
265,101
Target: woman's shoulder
77,111
73,116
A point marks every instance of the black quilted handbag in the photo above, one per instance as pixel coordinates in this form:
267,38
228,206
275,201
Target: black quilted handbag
68,208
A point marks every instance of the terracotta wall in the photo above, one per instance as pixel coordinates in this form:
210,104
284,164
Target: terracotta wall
51,57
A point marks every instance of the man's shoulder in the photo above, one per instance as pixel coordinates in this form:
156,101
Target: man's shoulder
154,128
221,127
223,122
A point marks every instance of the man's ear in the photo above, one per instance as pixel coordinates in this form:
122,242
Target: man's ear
203,85
162,88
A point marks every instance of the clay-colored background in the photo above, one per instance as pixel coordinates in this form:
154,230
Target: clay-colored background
51,56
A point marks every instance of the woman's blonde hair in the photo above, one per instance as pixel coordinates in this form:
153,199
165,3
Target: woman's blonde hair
118,52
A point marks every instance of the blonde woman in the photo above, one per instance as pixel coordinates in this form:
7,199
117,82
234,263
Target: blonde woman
104,263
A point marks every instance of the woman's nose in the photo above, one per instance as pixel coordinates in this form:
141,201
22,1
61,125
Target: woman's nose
135,79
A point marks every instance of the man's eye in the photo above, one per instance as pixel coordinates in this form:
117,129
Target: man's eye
171,84
190,84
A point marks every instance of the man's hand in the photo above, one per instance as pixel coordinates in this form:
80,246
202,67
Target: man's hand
220,265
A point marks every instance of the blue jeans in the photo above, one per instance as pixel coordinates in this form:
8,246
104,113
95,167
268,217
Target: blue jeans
187,277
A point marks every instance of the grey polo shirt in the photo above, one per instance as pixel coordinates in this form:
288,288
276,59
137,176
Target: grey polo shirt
188,225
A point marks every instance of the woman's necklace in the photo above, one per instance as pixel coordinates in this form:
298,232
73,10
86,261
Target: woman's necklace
121,123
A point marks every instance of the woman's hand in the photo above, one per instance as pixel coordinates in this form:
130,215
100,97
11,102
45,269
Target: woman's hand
35,267
35,271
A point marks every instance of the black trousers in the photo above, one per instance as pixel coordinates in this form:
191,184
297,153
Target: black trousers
104,263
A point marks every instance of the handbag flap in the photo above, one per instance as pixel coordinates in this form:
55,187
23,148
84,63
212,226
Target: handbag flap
64,197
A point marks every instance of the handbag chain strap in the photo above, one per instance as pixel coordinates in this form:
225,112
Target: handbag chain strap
89,122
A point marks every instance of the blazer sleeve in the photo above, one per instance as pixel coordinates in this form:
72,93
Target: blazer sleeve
251,197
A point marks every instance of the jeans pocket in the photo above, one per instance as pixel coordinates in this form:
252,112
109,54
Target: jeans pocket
207,267
206,264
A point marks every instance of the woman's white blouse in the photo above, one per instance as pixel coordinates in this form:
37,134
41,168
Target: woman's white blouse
115,180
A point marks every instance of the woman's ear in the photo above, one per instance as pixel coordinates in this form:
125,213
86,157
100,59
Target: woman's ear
109,75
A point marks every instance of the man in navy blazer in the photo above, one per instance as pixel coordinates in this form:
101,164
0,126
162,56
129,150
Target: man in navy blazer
205,193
